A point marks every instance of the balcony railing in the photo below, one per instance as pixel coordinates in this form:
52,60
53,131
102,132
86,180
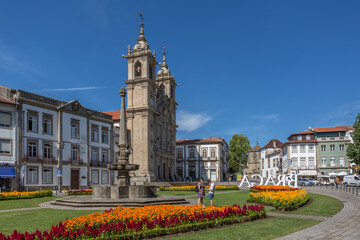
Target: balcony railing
29,159
75,162
98,164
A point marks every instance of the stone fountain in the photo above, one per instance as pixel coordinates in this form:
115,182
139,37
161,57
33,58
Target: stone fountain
123,168
123,193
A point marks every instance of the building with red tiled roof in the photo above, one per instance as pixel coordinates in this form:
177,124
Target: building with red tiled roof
114,114
299,154
270,158
206,158
332,143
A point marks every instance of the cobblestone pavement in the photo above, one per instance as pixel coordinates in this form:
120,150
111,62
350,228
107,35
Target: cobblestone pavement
344,225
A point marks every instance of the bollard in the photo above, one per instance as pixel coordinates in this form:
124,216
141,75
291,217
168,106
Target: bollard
357,191
353,190
332,186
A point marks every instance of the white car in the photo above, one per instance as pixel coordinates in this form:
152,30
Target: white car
351,180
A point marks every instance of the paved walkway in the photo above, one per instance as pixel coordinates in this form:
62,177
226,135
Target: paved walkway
344,225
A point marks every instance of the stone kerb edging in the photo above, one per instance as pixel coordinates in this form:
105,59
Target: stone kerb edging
344,225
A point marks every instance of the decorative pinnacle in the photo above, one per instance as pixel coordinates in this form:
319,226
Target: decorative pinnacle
122,92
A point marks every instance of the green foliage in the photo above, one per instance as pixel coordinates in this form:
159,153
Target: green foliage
353,149
239,146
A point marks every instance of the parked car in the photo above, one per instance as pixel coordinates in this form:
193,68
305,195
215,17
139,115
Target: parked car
316,182
351,180
305,182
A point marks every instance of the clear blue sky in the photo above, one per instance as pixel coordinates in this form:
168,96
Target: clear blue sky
260,68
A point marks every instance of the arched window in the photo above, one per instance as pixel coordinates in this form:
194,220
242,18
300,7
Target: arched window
204,153
137,69
212,152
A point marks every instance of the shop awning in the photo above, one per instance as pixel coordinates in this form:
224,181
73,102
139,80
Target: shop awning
7,172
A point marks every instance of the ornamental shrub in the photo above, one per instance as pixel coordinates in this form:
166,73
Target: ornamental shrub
25,195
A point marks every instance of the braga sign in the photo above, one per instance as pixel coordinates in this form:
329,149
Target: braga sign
282,180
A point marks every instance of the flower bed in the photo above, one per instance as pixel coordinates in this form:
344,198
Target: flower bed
285,200
271,188
145,222
192,188
24,195
80,192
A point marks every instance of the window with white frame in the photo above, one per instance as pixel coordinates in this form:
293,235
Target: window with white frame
204,153
294,148
342,161
192,153
262,161
75,128
95,154
47,176
104,135
311,163
32,175
5,147
74,152
308,137
341,147
212,152
104,177
323,161
95,176
105,155
95,133
311,148
47,125
323,148
179,154
303,163
47,149
294,163
299,137
302,149
268,163
32,149
332,148
5,119
332,161
32,122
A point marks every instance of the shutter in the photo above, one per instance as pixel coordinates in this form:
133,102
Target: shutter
5,119
5,146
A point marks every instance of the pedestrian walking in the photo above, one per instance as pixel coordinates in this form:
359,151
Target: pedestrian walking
337,180
211,192
201,192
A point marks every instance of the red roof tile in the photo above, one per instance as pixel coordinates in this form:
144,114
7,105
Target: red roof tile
333,129
301,141
274,152
6,100
303,133
196,141
115,114
270,144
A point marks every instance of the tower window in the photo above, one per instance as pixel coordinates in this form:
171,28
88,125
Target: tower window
137,69
150,71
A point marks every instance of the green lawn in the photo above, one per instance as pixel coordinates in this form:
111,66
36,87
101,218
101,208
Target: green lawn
321,206
41,219
24,203
177,193
267,228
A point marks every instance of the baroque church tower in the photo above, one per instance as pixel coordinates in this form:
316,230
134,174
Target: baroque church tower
151,114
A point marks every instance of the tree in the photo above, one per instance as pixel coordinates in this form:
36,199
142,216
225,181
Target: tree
239,146
353,149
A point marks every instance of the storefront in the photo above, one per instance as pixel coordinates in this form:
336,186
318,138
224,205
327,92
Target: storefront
7,174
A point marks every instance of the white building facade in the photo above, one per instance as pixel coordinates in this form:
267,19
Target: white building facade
270,158
201,158
300,154
9,139
61,144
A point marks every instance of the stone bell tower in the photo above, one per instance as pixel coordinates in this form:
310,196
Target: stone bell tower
141,88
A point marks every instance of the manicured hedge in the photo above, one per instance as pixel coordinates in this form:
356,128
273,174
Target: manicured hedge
25,195
80,192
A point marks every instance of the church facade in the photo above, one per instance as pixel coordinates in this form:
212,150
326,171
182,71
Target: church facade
151,114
